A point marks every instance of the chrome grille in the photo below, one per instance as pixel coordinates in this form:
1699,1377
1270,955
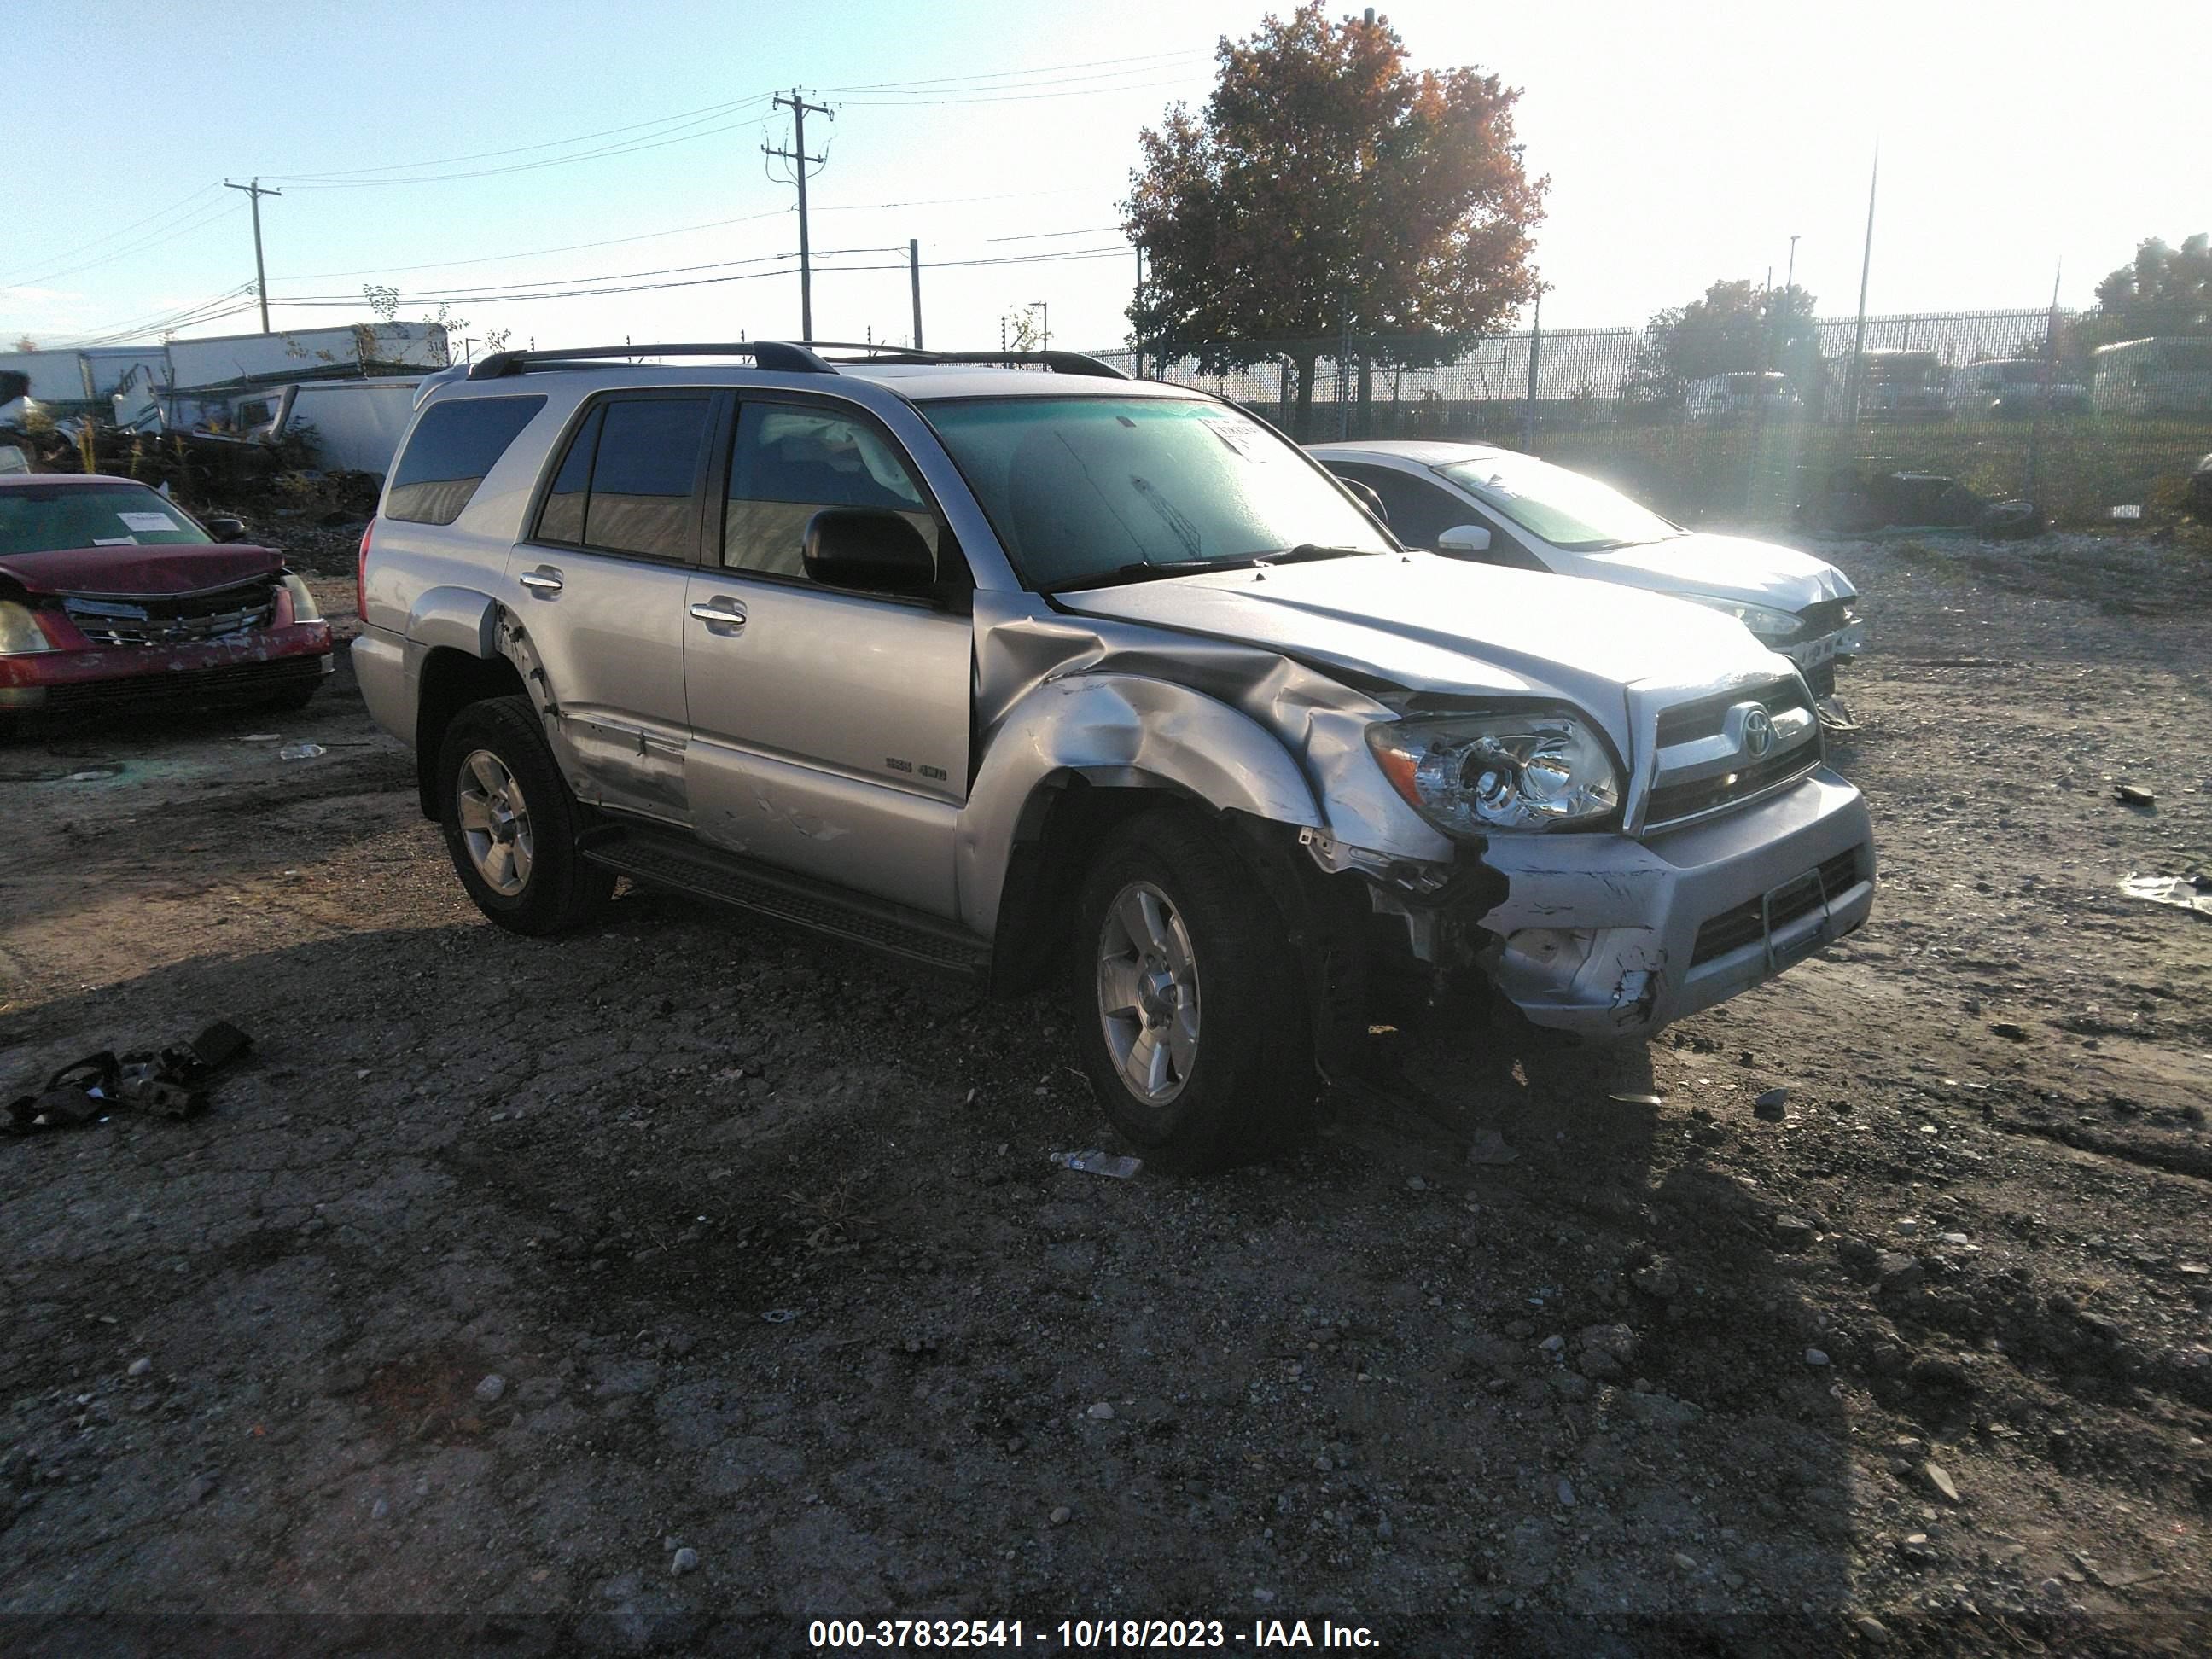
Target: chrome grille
1709,758
186,619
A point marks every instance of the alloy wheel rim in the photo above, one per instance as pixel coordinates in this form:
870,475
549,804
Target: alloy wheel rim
1148,1005
494,823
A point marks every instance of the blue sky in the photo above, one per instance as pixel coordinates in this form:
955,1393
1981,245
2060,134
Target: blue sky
1680,150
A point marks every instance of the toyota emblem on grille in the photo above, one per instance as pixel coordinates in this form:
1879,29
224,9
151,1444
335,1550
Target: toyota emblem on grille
1758,732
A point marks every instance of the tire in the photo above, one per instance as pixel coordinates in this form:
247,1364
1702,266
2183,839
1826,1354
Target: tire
511,824
294,699
1189,1012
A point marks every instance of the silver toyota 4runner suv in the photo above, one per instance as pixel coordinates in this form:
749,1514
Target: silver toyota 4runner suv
1021,668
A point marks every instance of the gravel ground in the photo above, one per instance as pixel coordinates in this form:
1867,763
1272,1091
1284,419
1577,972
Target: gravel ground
681,1282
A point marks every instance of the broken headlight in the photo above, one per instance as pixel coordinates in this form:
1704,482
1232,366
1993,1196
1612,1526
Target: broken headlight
1768,626
303,603
1469,775
19,633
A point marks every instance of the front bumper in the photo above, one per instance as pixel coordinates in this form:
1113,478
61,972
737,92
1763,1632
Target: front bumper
249,667
1610,936
1812,655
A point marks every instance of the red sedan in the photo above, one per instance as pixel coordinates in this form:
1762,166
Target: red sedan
112,596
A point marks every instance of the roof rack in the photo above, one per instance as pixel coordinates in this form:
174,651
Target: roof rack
785,357
1058,362
772,354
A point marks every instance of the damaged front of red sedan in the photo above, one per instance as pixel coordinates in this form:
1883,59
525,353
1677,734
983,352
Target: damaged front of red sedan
113,596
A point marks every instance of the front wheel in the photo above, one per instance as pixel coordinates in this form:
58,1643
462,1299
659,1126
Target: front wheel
1189,1012
511,824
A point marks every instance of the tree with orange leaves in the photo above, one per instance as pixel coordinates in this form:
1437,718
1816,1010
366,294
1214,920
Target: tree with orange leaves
1326,187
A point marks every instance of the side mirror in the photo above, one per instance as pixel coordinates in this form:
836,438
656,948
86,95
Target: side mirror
1368,497
1464,539
875,551
226,528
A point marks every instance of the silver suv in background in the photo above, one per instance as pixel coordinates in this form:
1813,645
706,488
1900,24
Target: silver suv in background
1476,502
1040,674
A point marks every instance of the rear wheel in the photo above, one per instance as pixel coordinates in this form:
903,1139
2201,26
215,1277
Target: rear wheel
1189,1012
510,823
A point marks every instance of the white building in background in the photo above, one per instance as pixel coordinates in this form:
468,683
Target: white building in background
232,383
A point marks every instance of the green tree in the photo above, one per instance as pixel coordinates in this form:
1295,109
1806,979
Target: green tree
2163,290
1737,326
1325,187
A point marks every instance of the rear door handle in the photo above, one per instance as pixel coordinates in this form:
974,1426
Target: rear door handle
721,613
544,580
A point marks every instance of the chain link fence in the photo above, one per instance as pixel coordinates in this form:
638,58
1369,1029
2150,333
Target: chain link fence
2005,404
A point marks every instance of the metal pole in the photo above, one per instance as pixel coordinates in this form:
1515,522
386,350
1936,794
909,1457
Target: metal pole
2042,400
255,192
914,276
1536,344
1791,281
800,161
1866,268
1140,300
1343,386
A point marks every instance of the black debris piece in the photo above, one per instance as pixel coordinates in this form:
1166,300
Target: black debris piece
166,1083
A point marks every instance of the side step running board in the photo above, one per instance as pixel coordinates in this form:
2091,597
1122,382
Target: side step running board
676,861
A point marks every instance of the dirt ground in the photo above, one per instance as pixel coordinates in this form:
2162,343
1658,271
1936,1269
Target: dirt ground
761,1240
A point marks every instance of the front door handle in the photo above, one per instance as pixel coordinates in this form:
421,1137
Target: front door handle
721,613
545,579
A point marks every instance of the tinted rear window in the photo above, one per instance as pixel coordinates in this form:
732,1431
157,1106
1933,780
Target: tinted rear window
455,444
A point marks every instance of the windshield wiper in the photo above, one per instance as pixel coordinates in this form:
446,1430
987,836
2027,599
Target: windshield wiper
1142,569
1306,552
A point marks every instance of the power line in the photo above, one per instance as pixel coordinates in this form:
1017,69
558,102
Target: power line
1003,98
1046,235
1006,74
222,304
533,254
813,207
588,293
630,148
86,247
703,112
146,244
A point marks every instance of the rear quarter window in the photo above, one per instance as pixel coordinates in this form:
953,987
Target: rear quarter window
454,446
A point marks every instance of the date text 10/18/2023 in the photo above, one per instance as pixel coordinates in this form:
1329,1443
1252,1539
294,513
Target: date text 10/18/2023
1084,1634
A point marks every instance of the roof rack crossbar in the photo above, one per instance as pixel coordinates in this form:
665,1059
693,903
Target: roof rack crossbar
1059,362
789,357
772,355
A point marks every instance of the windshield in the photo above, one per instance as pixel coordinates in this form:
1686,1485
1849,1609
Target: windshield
1566,508
1901,368
43,518
1083,489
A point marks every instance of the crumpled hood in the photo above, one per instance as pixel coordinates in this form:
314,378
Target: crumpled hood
1437,624
139,573
1733,566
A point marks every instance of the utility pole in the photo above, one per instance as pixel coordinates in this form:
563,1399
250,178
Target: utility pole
260,276
914,276
800,161
1791,281
1866,268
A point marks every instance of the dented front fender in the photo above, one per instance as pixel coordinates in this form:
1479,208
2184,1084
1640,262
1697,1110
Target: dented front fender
1117,731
